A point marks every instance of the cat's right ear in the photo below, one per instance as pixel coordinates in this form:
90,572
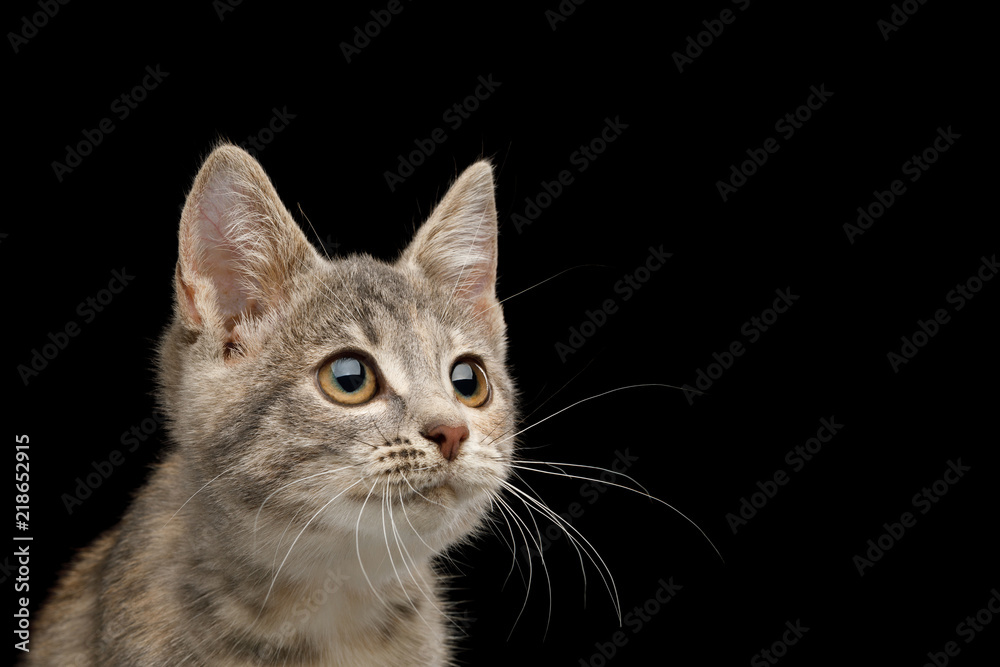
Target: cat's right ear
238,246
457,246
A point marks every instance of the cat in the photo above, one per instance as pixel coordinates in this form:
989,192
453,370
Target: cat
335,426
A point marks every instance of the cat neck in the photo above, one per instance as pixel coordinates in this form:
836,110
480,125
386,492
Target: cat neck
264,572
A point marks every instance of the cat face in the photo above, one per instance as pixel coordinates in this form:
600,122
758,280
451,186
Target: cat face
338,397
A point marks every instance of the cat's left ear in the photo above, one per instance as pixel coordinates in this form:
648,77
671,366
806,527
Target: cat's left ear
457,245
238,246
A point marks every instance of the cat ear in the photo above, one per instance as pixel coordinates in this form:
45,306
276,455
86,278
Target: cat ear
238,244
457,245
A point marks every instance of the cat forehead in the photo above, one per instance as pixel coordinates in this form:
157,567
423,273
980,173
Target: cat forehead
365,303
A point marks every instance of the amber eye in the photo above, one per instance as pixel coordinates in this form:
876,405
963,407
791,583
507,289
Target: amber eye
469,381
348,380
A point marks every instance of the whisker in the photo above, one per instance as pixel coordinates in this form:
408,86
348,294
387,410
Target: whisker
357,543
392,562
521,527
584,400
295,541
573,542
414,529
196,493
402,543
434,502
405,553
558,520
538,284
282,488
277,543
511,544
321,244
556,392
538,543
556,464
627,488
545,569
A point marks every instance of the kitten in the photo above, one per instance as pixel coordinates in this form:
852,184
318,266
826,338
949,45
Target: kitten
335,426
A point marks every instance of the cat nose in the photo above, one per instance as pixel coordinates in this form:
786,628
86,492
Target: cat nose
448,439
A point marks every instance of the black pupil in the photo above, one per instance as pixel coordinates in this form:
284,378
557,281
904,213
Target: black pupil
464,380
349,373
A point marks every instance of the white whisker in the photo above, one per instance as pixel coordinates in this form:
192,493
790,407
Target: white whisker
583,400
295,541
559,521
556,464
573,542
622,486
405,553
512,544
357,543
538,284
196,493
392,562
282,488
521,527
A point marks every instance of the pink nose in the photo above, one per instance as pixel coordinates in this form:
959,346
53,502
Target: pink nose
448,438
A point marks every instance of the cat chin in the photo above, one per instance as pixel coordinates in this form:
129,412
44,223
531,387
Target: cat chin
443,512
452,496
439,502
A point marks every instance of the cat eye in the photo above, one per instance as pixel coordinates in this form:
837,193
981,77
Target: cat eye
469,382
347,379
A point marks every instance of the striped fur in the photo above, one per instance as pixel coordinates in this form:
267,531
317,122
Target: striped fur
282,528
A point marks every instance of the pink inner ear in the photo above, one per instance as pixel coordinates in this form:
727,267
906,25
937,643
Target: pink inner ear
456,246
220,264
476,283
211,253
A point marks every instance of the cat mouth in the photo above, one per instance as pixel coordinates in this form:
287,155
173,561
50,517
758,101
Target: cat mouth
432,491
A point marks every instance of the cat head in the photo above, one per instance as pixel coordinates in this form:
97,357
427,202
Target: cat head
311,389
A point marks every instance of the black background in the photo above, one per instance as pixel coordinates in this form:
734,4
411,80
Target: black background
654,185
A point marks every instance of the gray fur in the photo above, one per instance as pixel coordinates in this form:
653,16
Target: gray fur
207,575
